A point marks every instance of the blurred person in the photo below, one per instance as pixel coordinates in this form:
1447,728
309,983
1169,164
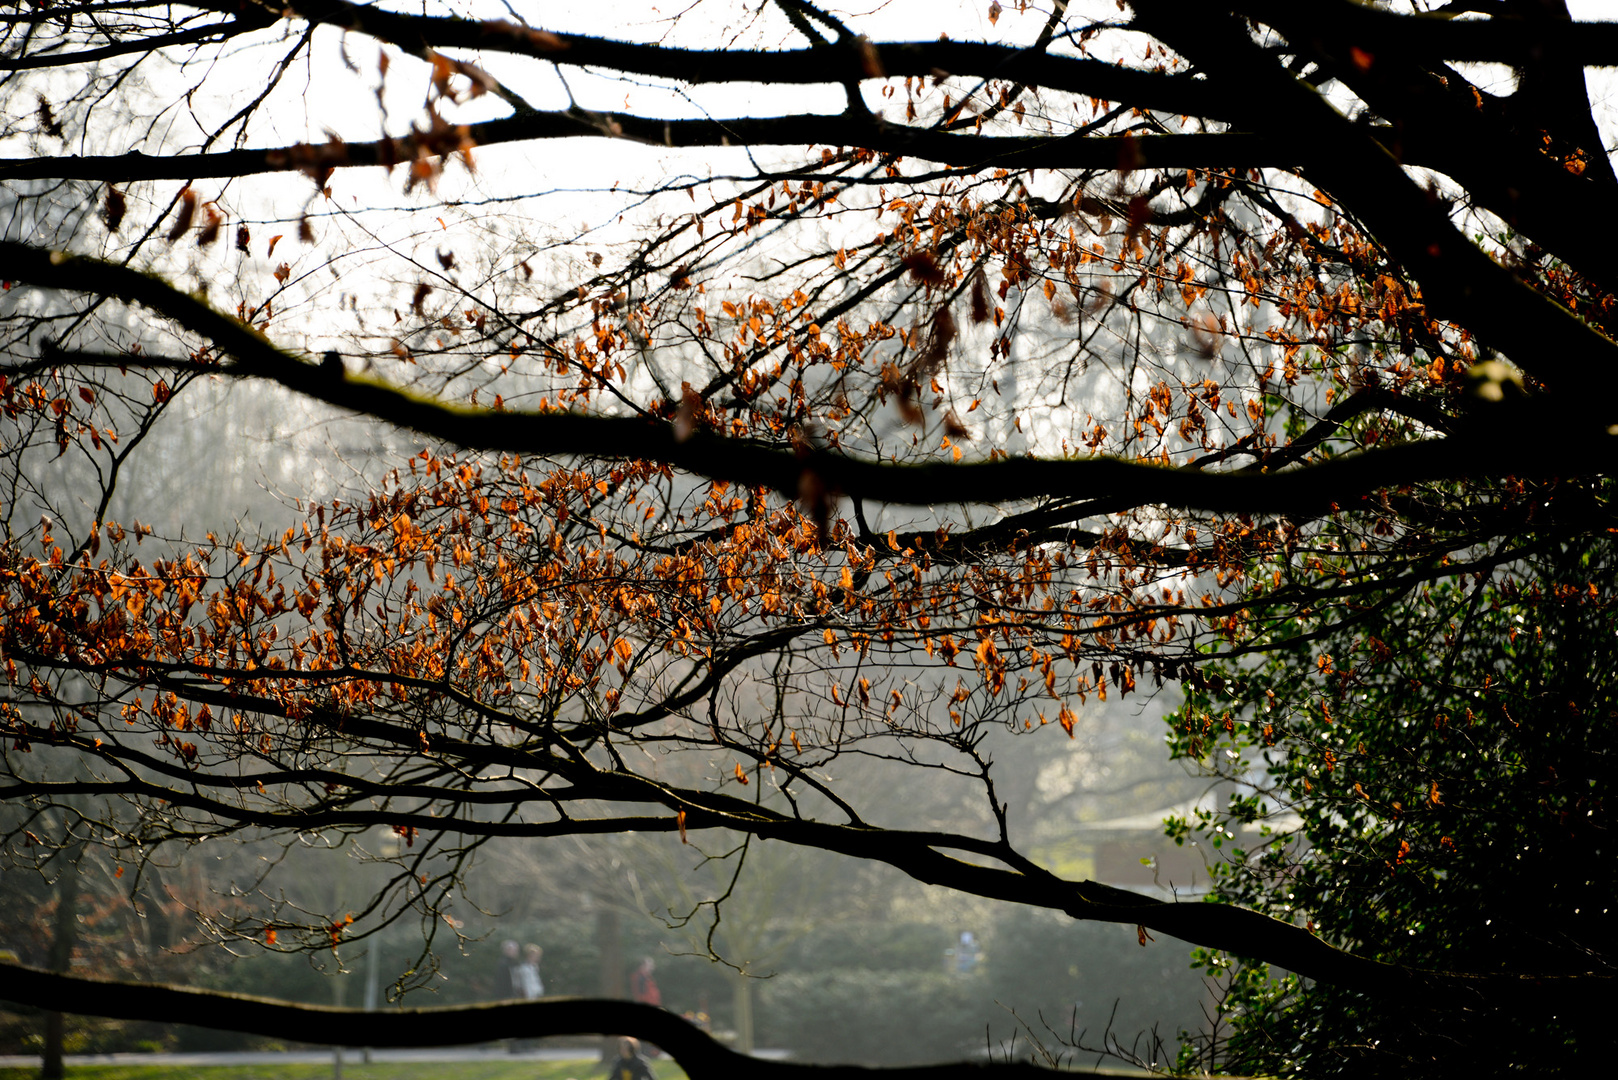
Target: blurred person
507,985
525,976
967,954
642,987
629,1065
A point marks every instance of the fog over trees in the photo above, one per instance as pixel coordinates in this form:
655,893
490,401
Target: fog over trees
774,467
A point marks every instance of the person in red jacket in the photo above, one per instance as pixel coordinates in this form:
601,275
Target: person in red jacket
642,987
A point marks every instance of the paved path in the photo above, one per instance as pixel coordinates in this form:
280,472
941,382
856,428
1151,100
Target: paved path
350,1056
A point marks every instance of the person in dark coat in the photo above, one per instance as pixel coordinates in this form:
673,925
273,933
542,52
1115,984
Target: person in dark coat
629,1065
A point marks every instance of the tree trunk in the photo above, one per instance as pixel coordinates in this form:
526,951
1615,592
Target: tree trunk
64,932
609,941
744,1014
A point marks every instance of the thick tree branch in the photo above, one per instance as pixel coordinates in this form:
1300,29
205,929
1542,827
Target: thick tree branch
1307,489
1443,122
1459,282
1215,151
697,1052
835,63
923,856
194,36
1501,38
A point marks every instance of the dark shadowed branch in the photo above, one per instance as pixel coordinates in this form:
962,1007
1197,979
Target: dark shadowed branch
696,1051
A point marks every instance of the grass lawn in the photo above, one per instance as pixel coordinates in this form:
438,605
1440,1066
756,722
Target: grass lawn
583,1069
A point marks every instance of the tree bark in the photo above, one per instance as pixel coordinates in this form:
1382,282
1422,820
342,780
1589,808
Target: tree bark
63,937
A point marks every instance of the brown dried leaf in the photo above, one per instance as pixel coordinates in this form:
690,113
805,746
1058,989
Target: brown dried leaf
923,267
443,68
1129,156
47,120
116,207
870,63
939,339
546,41
685,419
482,81
980,298
213,219
182,220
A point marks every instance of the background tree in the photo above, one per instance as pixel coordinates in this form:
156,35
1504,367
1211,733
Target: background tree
1453,800
1082,347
